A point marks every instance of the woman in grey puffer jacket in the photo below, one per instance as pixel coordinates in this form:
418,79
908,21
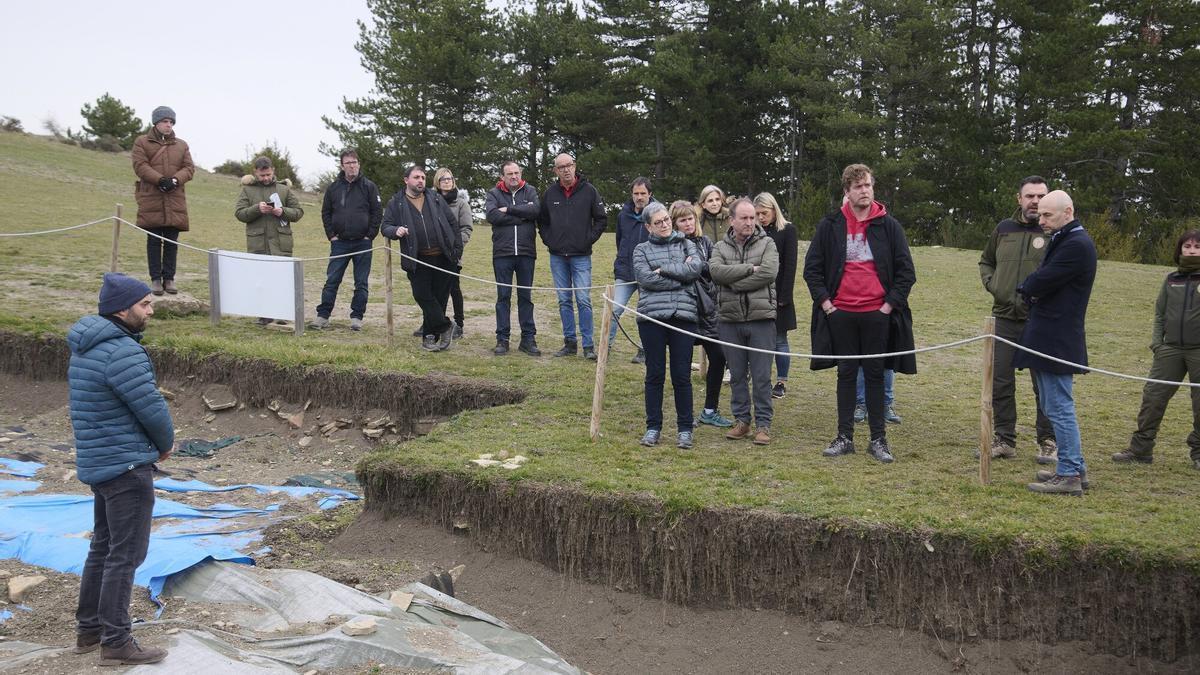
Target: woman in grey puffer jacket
666,268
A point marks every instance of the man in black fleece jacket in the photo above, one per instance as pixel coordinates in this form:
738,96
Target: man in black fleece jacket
350,212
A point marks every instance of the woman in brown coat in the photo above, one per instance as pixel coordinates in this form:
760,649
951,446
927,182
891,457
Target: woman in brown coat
163,164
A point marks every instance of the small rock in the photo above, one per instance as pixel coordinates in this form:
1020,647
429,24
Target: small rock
274,405
4,574
171,631
296,421
363,626
205,612
485,462
210,417
69,476
20,585
456,572
461,524
306,441
373,433
327,462
219,397
167,393
401,599
241,406
218,624
503,454
329,428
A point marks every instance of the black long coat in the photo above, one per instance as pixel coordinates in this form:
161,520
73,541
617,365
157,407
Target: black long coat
785,280
1058,293
823,267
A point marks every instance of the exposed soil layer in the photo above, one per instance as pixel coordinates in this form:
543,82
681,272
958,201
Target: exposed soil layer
861,575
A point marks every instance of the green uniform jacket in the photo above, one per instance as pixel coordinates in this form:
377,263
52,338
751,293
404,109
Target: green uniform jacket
266,233
1177,312
742,293
1013,252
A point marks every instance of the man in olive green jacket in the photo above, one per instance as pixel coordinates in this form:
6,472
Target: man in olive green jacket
1014,250
744,265
268,208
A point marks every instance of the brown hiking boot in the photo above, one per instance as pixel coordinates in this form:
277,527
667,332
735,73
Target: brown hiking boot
1127,456
763,437
1047,452
1059,485
169,286
130,654
739,431
86,642
1044,475
1002,450
156,287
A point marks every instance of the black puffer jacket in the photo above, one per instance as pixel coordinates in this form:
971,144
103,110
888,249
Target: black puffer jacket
351,211
708,321
514,231
570,225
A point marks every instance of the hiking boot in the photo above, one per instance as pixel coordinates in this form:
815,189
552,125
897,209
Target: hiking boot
779,390
86,643
762,436
650,438
684,440
419,332
156,287
130,654
1044,475
890,416
501,348
1002,450
320,323
880,450
529,346
1059,485
458,331
860,413
429,343
589,353
1127,456
169,286
1196,464
1047,452
739,431
841,445
444,339
264,321
569,348
355,324
715,419
639,358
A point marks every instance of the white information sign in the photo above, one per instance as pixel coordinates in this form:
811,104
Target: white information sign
249,284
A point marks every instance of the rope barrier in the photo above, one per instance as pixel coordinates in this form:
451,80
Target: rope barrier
61,229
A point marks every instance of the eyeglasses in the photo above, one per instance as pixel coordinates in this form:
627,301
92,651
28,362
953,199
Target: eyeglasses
560,167
661,221
445,179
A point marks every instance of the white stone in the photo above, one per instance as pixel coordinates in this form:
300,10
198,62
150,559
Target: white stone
363,626
401,600
20,585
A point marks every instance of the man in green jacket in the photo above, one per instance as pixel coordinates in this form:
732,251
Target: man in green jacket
268,208
1014,250
744,265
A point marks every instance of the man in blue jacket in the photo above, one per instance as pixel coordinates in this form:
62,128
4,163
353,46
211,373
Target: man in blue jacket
631,231
1057,294
351,212
122,427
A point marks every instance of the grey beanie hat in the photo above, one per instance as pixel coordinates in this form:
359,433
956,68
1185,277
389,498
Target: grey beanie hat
161,113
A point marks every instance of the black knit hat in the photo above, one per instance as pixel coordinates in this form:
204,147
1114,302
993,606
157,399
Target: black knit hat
119,292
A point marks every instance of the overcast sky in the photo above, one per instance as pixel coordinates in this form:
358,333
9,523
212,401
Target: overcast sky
238,74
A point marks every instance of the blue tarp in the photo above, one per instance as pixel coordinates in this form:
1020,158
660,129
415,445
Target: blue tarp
12,486
18,468
337,495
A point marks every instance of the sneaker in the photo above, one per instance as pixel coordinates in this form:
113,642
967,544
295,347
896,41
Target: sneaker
444,339
739,431
639,358
569,348
589,353
264,321
529,347
1047,452
156,287
890,416
320,323
1127,456
1002,450
650,438
169,286
684,440
841,445
356,324
458,331
715,419
1044,475
130,654
501,348
880,450
762,436
860,413
429,343
779,390
1059,485
85,643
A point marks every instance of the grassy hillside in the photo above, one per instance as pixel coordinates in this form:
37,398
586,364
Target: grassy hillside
1142,511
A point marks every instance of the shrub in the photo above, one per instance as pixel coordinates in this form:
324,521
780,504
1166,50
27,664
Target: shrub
111,118
231,167
11,124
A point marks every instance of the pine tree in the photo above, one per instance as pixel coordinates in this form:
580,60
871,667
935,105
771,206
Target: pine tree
108,117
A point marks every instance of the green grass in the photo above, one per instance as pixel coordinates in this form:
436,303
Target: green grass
1139,513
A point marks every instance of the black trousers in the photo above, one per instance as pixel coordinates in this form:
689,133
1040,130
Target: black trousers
860,333
161,254
431,290
716,374
457,299
664,345
1004,387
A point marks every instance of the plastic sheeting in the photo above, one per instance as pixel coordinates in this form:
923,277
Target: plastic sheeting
16,467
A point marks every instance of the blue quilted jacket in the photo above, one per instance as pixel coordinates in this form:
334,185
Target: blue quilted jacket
120,419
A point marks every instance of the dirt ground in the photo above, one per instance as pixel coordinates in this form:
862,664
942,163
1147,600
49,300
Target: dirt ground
597,628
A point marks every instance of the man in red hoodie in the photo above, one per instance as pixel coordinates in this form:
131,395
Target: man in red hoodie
859,273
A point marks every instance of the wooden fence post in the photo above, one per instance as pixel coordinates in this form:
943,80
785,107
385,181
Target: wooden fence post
387,293
985,402
601,363
112,261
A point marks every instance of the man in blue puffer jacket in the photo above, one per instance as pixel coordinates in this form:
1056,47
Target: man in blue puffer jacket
122,427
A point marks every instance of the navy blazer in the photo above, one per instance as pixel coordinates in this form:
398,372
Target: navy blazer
1057,294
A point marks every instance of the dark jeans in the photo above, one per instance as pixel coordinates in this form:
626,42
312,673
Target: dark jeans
657,340
120,536
161,254
457,299
716,374
504,267
860,333
431,290
337,270
1004,387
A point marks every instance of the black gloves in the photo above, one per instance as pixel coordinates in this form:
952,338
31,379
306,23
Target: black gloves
166,184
